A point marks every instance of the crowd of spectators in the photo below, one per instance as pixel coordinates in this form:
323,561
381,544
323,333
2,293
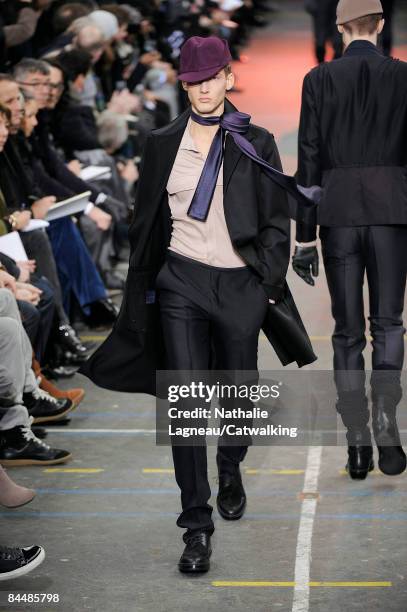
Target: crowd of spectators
81,86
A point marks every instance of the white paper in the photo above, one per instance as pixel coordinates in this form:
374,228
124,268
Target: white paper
11,245
91,173
68,207
35,224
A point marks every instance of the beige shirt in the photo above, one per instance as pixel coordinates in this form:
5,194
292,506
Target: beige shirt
206,241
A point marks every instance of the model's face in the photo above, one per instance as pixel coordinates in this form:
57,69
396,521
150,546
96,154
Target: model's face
208,97
38,85
29,121
4,125
56,87
10,97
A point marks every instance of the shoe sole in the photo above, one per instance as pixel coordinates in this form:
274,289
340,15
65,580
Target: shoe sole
11,462
19,505
194,569
21,571
58,417
234,517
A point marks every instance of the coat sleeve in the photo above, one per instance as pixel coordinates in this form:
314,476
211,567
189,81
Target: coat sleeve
273,246
143,193
309,164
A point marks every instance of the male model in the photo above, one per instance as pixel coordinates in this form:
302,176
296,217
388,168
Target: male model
210,249
352,141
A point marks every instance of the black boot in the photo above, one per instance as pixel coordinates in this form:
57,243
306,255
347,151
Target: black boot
360,453
197,552
68,339
231,499
392,459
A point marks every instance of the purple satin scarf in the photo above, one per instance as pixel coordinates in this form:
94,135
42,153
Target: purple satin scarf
237,124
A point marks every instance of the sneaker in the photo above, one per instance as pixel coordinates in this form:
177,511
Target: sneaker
19,446
15,562
44,408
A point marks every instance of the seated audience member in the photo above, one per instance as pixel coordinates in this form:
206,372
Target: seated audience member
53,175
22,402
76,269
15,214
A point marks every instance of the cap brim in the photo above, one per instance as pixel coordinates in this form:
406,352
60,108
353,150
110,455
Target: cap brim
199,75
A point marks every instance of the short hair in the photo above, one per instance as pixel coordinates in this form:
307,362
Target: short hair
363,25
67,13
228,69
120,12
5,111
73,63
78,24
5,76
30,66
113,130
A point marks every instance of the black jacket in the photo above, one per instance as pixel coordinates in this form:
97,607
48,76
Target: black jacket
256,212
352,139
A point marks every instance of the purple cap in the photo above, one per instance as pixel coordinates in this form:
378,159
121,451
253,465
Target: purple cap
201,58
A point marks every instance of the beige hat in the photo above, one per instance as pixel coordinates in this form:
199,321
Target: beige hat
348,10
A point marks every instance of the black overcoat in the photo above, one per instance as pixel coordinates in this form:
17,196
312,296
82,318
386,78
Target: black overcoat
256,213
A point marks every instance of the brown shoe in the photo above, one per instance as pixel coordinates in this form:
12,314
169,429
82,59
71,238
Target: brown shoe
76,394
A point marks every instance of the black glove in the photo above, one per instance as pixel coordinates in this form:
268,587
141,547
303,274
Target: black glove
306,261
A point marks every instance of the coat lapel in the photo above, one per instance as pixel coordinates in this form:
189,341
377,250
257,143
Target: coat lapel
169,139
232,151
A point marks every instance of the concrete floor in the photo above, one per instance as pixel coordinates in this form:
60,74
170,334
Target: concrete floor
107,519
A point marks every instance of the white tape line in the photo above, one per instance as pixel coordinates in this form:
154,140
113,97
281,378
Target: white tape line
304,539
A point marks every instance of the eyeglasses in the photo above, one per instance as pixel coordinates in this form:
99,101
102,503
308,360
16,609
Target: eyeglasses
35,84
56,86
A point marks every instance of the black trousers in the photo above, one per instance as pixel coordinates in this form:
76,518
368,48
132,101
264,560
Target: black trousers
381,253
38,247
37,320
325,29
206,311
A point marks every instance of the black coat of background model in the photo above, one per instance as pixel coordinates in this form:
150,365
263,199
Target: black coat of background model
353,140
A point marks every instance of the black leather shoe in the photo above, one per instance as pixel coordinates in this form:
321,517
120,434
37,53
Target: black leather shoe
231,499
360,461
197,552
68,339
360,452
392,458
19,446
103,313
